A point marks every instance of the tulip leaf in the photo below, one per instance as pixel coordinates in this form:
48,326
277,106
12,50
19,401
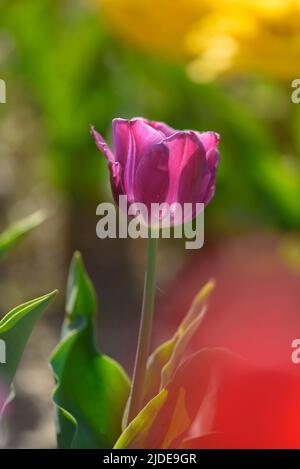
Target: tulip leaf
15,330
91,388
166,358
135,435
172,417
18,230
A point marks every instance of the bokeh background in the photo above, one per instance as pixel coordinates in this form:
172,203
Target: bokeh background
220,65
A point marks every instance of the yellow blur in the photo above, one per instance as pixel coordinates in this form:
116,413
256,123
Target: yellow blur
216,38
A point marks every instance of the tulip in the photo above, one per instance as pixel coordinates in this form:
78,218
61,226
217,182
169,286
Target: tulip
153,163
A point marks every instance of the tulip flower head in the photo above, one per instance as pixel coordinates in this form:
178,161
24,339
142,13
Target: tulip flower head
151,163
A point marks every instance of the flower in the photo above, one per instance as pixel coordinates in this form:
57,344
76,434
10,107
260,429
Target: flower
153,163
215,38
248,36
159,30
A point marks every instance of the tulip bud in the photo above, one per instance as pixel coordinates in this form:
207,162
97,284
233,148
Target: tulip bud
152,163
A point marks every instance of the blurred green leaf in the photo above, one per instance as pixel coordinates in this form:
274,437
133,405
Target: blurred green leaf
92,389
17,231
166,358
168,419
164,361
15,330
80,64
135,435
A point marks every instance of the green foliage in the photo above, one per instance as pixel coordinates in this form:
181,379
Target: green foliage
17,231
60,49
92,389
76,75
15,330
164,361
136,434
167,420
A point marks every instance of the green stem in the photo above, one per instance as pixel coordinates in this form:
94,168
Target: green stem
139,374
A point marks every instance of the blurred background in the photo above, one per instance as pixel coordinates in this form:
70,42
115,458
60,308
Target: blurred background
220,65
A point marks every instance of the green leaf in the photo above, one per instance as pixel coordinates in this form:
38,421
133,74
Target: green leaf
171,419
166,358
15,330
92,389
17,231
135,435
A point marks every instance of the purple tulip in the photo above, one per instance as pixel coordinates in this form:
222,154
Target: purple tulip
153,163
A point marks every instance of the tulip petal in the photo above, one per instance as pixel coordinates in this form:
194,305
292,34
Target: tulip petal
165,129
122,140
211,189
133,136
116,181
194,180
190,173
187,166
145,136
210,141
152,176
114,167
102,145
132,140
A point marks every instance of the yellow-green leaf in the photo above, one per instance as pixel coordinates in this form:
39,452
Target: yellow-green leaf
17,231
165,359
137,432
184,409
